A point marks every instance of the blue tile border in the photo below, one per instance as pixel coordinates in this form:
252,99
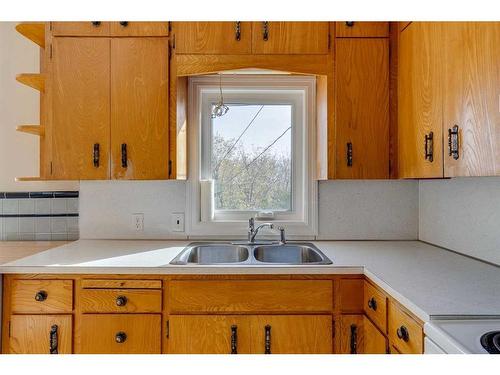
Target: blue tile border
39,194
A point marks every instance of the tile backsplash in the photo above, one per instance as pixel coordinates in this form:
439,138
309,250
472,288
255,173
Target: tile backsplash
39,216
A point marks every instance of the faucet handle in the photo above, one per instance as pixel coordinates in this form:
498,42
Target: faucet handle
282,235
251,223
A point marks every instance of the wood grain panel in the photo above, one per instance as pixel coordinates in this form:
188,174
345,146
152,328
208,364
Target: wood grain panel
420,98
98,334
80,107
472,100
291,38
362,29
251,296
122,284
293,334
362,107
139,29
136,300
139,108
376,309
80,29
374,341
30,334
59,296
212,38
208,334
351,295
399,318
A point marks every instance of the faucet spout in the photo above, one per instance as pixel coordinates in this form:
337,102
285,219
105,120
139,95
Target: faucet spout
252,231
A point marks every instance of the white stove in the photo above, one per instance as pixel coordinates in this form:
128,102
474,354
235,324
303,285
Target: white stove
468,335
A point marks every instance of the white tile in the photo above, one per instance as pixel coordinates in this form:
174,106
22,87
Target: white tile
58,205
42,206
27,236
72,205
26,225
42,225
43,236
58,225
10,206
10,225
59,237
12,236
26,206
72,223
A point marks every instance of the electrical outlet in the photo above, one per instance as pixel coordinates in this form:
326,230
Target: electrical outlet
138,222
177,222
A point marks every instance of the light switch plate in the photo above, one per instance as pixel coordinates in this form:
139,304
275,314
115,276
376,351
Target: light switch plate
177,219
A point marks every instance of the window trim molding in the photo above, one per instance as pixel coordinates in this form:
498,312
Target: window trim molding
299,228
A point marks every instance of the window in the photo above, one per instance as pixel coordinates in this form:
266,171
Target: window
254,160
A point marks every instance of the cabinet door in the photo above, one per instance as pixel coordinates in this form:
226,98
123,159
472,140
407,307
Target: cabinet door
212,38
119,334
80,108
125,28
471,101
374,341
93,28
420,100
292,334
40,334
209,334
362,108
139,108
290,37
352,29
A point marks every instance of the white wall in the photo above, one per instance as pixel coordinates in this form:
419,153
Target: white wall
462,214
19,105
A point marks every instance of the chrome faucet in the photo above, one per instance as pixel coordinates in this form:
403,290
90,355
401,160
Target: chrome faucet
252,231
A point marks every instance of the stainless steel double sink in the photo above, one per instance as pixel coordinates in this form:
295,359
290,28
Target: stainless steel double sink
220,253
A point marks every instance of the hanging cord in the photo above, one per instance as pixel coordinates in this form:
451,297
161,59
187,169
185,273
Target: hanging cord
220,109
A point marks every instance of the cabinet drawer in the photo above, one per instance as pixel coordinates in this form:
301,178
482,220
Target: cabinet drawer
361,29
42,296
216,296
405,332
120,334
376,306
120,300
121,284
95,28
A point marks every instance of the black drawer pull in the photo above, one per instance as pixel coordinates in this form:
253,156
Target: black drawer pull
403,333
237,31
267,343
354,339
121,301
120,337
234,339
265,31
372,304
429,147
124,23
349,23
349,154
41,296
124,155
453,142
96,23
53,339
96,155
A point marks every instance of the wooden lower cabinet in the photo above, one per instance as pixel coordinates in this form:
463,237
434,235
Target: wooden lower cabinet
360,336
119,334
40,334
257,334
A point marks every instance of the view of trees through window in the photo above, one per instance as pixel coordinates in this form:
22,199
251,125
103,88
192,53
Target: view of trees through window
251,157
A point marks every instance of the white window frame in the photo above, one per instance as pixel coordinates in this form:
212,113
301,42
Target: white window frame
301,221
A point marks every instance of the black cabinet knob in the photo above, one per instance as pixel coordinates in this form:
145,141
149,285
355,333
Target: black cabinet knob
403,333
121,301
41,296
372,304
120,337
349,23
96,23
124,23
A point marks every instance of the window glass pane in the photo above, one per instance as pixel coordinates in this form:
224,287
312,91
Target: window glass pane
251,157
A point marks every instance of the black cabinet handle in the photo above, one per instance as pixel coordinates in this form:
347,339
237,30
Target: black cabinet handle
372,304
429,147
349,23
96,155
265,31
120,337
267,343
53,339
403,333
41,296
354,339
124,23
349,154
124,155
121,301
96,23
453,143
234,339
237,31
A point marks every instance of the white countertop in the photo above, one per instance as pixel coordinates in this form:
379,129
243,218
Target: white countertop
429,281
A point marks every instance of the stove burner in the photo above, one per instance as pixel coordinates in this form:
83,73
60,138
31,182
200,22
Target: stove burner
491,342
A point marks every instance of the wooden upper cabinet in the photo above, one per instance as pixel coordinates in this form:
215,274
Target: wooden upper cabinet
212,38
139,108
352,29
91,28
362,108
420,95
126,28
80,108
290,37
471,100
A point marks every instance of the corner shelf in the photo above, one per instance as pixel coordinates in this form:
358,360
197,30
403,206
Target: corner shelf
32,129
34,31
34,80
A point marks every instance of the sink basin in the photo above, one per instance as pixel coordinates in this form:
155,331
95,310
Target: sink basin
290,254
212,253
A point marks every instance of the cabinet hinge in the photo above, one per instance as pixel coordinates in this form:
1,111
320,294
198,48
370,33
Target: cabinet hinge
170,168
168,329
